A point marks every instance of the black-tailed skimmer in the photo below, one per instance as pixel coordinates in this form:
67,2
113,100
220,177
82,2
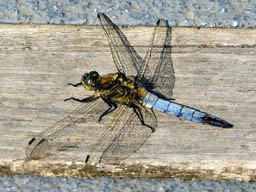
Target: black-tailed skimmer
123,102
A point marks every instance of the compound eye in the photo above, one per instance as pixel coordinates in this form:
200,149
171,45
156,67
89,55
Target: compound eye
89,80
94,74
84,77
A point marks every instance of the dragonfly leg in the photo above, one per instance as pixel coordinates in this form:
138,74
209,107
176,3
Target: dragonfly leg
85,100
140,116
110,109
75,85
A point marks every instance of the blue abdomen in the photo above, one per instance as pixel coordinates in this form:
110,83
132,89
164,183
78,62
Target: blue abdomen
152,101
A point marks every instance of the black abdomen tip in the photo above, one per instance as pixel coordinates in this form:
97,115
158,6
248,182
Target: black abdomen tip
227,125
214,121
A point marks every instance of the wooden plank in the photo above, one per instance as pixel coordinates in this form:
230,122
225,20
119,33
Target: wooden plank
215,72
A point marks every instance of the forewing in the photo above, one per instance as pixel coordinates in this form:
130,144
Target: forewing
79,126
125,57
157,72
125,135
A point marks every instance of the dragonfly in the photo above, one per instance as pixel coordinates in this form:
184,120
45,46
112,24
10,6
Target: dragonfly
119,115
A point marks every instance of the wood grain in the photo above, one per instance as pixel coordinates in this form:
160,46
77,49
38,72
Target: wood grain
215,72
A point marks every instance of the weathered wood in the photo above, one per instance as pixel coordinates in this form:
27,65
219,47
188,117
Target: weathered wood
215,72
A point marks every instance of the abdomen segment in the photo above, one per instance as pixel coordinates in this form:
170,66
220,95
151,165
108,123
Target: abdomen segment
152,101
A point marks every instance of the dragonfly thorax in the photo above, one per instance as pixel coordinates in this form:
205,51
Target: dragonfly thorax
90,80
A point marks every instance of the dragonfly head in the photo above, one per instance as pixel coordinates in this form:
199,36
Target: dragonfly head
90,80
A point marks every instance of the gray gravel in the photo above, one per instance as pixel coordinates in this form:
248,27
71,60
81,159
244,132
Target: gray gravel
25,183
206,13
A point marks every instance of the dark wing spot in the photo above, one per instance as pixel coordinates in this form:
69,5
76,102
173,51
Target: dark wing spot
87,158
31,141
42,140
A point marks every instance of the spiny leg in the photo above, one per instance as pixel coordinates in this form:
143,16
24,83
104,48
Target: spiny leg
75,99
110,109
75,85
85,100
140,116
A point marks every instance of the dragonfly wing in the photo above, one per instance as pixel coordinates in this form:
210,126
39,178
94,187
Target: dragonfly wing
125,134
157,72
131,136
79,126
125,57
